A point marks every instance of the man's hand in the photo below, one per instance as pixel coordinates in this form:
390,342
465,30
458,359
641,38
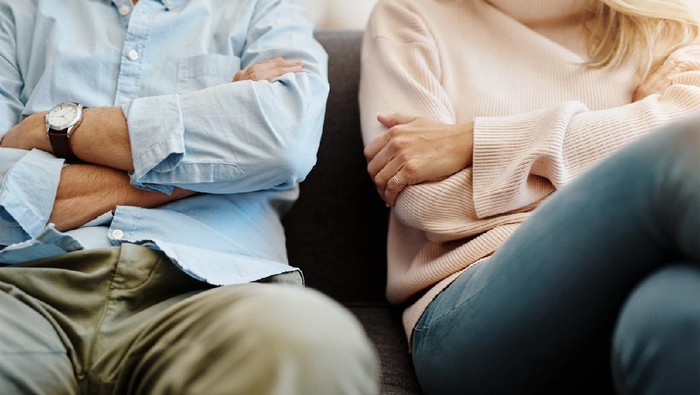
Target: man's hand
28,134
269,70
416,150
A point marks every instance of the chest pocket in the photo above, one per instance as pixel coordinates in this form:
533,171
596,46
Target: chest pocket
206,70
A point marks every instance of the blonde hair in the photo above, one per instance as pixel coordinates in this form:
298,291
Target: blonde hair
650,29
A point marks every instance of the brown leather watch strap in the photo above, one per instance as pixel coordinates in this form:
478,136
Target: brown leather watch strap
61,145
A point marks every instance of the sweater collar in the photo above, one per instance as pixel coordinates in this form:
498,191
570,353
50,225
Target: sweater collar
535,12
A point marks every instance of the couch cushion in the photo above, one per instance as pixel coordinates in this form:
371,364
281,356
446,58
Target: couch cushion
336,232
384,329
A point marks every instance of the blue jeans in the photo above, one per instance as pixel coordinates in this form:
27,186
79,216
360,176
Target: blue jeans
600,285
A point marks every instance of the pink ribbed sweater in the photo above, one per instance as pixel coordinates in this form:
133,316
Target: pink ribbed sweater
515,68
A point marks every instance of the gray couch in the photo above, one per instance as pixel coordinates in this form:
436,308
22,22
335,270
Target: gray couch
336,232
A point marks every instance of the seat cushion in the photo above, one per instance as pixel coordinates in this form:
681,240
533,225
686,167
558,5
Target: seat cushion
336,231
383,326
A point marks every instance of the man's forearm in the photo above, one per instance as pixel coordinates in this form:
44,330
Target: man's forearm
103,138
87,191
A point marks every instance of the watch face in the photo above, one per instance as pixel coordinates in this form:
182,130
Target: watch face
63,116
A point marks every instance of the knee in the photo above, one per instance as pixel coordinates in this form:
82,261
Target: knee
662,308
302,321
658,332
681,143
305,336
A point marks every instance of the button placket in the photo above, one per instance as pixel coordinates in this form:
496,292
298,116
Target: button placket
133,55
117,234
135,43
124,10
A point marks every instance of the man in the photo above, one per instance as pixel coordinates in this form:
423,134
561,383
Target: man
159,180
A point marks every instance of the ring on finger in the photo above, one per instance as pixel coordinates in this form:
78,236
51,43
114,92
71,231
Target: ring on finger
396,181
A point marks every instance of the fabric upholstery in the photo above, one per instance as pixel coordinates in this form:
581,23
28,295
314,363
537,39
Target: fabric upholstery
336,232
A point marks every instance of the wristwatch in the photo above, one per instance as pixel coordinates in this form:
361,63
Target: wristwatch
61,121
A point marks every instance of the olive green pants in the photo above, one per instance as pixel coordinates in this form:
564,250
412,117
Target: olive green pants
125,320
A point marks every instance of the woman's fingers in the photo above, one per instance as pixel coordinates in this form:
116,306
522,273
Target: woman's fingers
381,159
393,188
389,171
391,120
415,150
383,177
375,146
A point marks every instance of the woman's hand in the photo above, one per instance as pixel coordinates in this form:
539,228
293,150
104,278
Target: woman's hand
655,83
662,78
269,70
416,150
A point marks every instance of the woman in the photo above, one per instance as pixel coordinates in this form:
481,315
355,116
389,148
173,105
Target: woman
486,108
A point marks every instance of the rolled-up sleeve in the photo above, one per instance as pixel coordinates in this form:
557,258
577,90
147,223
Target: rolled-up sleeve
28,185
243,136
28,179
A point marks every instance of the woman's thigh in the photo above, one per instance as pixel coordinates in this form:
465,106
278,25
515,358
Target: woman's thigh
552,293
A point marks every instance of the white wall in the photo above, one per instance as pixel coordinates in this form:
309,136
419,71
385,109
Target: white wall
353,14
339,14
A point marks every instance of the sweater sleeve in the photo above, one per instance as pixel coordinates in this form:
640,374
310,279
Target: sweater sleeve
520,159
401,71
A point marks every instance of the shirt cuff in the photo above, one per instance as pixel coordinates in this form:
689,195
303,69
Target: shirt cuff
48,243
28,191
157,135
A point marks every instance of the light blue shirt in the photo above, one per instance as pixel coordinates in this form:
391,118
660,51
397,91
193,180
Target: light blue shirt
169,65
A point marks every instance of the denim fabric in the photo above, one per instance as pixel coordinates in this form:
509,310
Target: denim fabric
584,269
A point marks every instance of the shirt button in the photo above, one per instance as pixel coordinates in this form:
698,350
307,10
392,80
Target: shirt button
169,3
117,234
133,54
124,10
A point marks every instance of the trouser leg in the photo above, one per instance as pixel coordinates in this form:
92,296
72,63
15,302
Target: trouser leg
87,305
127,321
48,311
33,357
656,348
553,291
252,339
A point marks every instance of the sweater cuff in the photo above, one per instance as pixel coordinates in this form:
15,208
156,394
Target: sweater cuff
511,155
